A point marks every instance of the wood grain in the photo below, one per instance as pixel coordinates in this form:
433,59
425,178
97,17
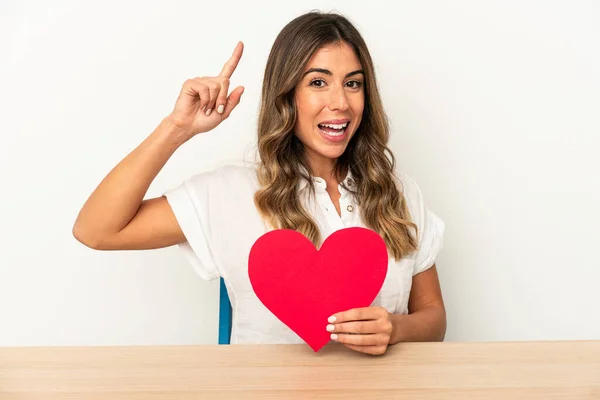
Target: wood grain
508,370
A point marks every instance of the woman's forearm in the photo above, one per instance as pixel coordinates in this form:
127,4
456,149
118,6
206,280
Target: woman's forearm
426,325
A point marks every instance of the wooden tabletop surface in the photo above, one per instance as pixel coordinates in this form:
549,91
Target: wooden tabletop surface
563,370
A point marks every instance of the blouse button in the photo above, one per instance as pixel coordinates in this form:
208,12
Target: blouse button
350,182
350,208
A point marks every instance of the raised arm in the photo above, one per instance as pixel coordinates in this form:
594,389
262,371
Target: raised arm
116,216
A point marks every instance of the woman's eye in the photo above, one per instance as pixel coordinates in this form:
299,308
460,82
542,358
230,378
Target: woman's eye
321,83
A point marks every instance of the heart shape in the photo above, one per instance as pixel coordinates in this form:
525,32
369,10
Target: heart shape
303,286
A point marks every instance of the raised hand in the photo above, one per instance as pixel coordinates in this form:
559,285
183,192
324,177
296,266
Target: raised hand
203,102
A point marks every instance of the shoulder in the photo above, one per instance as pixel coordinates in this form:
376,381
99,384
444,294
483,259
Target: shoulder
417,206
409,189
232,176
430,226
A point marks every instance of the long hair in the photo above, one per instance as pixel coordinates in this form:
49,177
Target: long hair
283,163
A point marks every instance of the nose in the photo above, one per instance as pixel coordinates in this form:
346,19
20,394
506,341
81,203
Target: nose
338,99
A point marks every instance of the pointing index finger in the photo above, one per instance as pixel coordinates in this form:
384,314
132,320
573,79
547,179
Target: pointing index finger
232,63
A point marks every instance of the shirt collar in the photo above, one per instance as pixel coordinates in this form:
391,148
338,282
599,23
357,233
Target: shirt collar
321,185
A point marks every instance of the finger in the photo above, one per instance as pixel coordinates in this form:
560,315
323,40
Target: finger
222,98
214,88
362,327
373,350
194,90
233,61
376,339
355,314
202,91
233,100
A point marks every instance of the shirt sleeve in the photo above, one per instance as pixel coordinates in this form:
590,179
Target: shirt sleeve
190,203
430,226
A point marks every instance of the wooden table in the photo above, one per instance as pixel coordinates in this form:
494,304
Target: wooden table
512,370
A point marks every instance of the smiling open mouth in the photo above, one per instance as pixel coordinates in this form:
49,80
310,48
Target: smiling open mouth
333,130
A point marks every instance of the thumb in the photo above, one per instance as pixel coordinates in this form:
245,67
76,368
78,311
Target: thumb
233,100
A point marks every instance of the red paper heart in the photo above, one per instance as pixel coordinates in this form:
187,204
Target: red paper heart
304,286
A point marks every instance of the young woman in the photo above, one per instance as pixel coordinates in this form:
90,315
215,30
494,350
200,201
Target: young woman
323,165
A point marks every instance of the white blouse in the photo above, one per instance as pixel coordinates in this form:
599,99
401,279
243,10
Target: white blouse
217,215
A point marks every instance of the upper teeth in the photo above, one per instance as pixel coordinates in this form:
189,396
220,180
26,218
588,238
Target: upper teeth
342,126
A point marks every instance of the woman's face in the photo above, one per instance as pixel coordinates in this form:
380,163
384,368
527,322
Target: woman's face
329,102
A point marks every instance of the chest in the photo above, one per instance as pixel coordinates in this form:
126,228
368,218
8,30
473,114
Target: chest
334,198
246,226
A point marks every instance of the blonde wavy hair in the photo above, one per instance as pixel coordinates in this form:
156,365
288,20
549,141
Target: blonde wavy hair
283,163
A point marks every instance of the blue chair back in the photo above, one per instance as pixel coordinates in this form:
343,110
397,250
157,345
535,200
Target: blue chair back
224,315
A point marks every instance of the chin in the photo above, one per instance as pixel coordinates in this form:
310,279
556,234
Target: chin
329,151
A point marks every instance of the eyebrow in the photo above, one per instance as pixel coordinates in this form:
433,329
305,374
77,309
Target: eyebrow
328,72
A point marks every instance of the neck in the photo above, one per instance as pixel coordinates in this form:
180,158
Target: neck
322,167
325,168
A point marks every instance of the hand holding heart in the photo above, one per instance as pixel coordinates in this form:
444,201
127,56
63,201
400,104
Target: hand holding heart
367,330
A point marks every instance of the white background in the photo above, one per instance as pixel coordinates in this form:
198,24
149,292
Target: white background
495,109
